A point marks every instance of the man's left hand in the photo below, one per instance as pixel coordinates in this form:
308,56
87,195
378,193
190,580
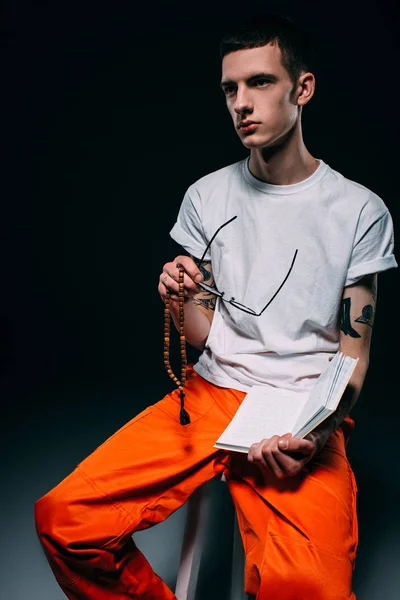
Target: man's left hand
285,455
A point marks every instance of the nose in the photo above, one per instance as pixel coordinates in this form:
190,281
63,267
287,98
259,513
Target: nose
242,101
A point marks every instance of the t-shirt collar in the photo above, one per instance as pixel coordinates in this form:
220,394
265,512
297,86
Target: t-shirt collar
294,188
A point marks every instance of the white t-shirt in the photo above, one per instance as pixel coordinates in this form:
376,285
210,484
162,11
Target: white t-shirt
341,230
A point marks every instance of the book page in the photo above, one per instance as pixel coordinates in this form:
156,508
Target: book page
345,369
264,412
313,423
319,393
343,378
338,370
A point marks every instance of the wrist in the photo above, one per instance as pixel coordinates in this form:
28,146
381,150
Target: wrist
319,438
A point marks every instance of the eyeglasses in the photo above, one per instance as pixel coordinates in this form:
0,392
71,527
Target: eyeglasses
232,301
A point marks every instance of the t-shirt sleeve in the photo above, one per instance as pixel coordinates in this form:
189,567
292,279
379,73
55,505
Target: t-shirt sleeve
188,229
373,246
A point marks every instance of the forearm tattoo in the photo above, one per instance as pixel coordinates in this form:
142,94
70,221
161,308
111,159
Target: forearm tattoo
205,299
206,274
208,303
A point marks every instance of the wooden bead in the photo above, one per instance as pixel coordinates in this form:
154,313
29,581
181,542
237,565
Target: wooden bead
167,326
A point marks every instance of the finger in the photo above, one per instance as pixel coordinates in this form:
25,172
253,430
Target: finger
262,455
190,286
167,285
269,460
170,278
253,453
283,441
162,290
169,282
303,446
288,465
190,267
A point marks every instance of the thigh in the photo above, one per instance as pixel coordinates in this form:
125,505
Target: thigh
142,473
320,503
154,461
302,528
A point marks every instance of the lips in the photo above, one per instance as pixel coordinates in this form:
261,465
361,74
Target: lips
247,126
243,124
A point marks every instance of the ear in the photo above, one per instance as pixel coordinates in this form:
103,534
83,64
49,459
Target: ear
305,88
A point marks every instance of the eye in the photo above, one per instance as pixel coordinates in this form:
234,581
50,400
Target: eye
229,89
262,82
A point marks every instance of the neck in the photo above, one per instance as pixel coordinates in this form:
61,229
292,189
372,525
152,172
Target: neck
284,163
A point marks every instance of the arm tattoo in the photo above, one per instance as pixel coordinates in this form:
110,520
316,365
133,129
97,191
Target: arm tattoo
208,303
206,274
367,316
205,299
345,324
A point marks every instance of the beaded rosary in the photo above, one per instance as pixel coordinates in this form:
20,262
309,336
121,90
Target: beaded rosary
183,415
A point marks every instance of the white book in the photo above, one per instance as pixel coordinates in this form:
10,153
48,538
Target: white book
266,411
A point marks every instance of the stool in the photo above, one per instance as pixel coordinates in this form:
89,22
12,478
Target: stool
198,513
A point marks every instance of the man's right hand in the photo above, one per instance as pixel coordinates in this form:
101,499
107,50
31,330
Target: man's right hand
169,278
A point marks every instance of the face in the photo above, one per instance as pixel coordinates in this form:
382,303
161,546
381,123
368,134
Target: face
258,88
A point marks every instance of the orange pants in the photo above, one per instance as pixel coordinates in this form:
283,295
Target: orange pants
299,534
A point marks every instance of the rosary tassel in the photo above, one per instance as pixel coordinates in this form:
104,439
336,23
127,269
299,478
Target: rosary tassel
183,415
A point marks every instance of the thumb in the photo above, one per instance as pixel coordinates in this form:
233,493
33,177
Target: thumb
284,440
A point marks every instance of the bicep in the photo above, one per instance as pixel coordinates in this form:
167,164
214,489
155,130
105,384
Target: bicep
204,300
356,317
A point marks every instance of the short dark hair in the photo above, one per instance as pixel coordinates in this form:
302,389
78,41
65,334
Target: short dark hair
293,41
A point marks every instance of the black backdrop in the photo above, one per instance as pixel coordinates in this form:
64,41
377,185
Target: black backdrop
106,110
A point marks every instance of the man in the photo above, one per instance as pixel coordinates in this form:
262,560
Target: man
250,222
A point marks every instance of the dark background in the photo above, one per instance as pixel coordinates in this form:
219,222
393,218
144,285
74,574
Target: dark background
105,118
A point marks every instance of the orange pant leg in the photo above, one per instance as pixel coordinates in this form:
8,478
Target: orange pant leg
300,534
135,479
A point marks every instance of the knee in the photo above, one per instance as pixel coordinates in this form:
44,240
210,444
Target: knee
53,514
47,511
56,530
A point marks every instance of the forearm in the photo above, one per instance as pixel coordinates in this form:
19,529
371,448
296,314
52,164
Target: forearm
199,303
197,323
321,433
355,320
